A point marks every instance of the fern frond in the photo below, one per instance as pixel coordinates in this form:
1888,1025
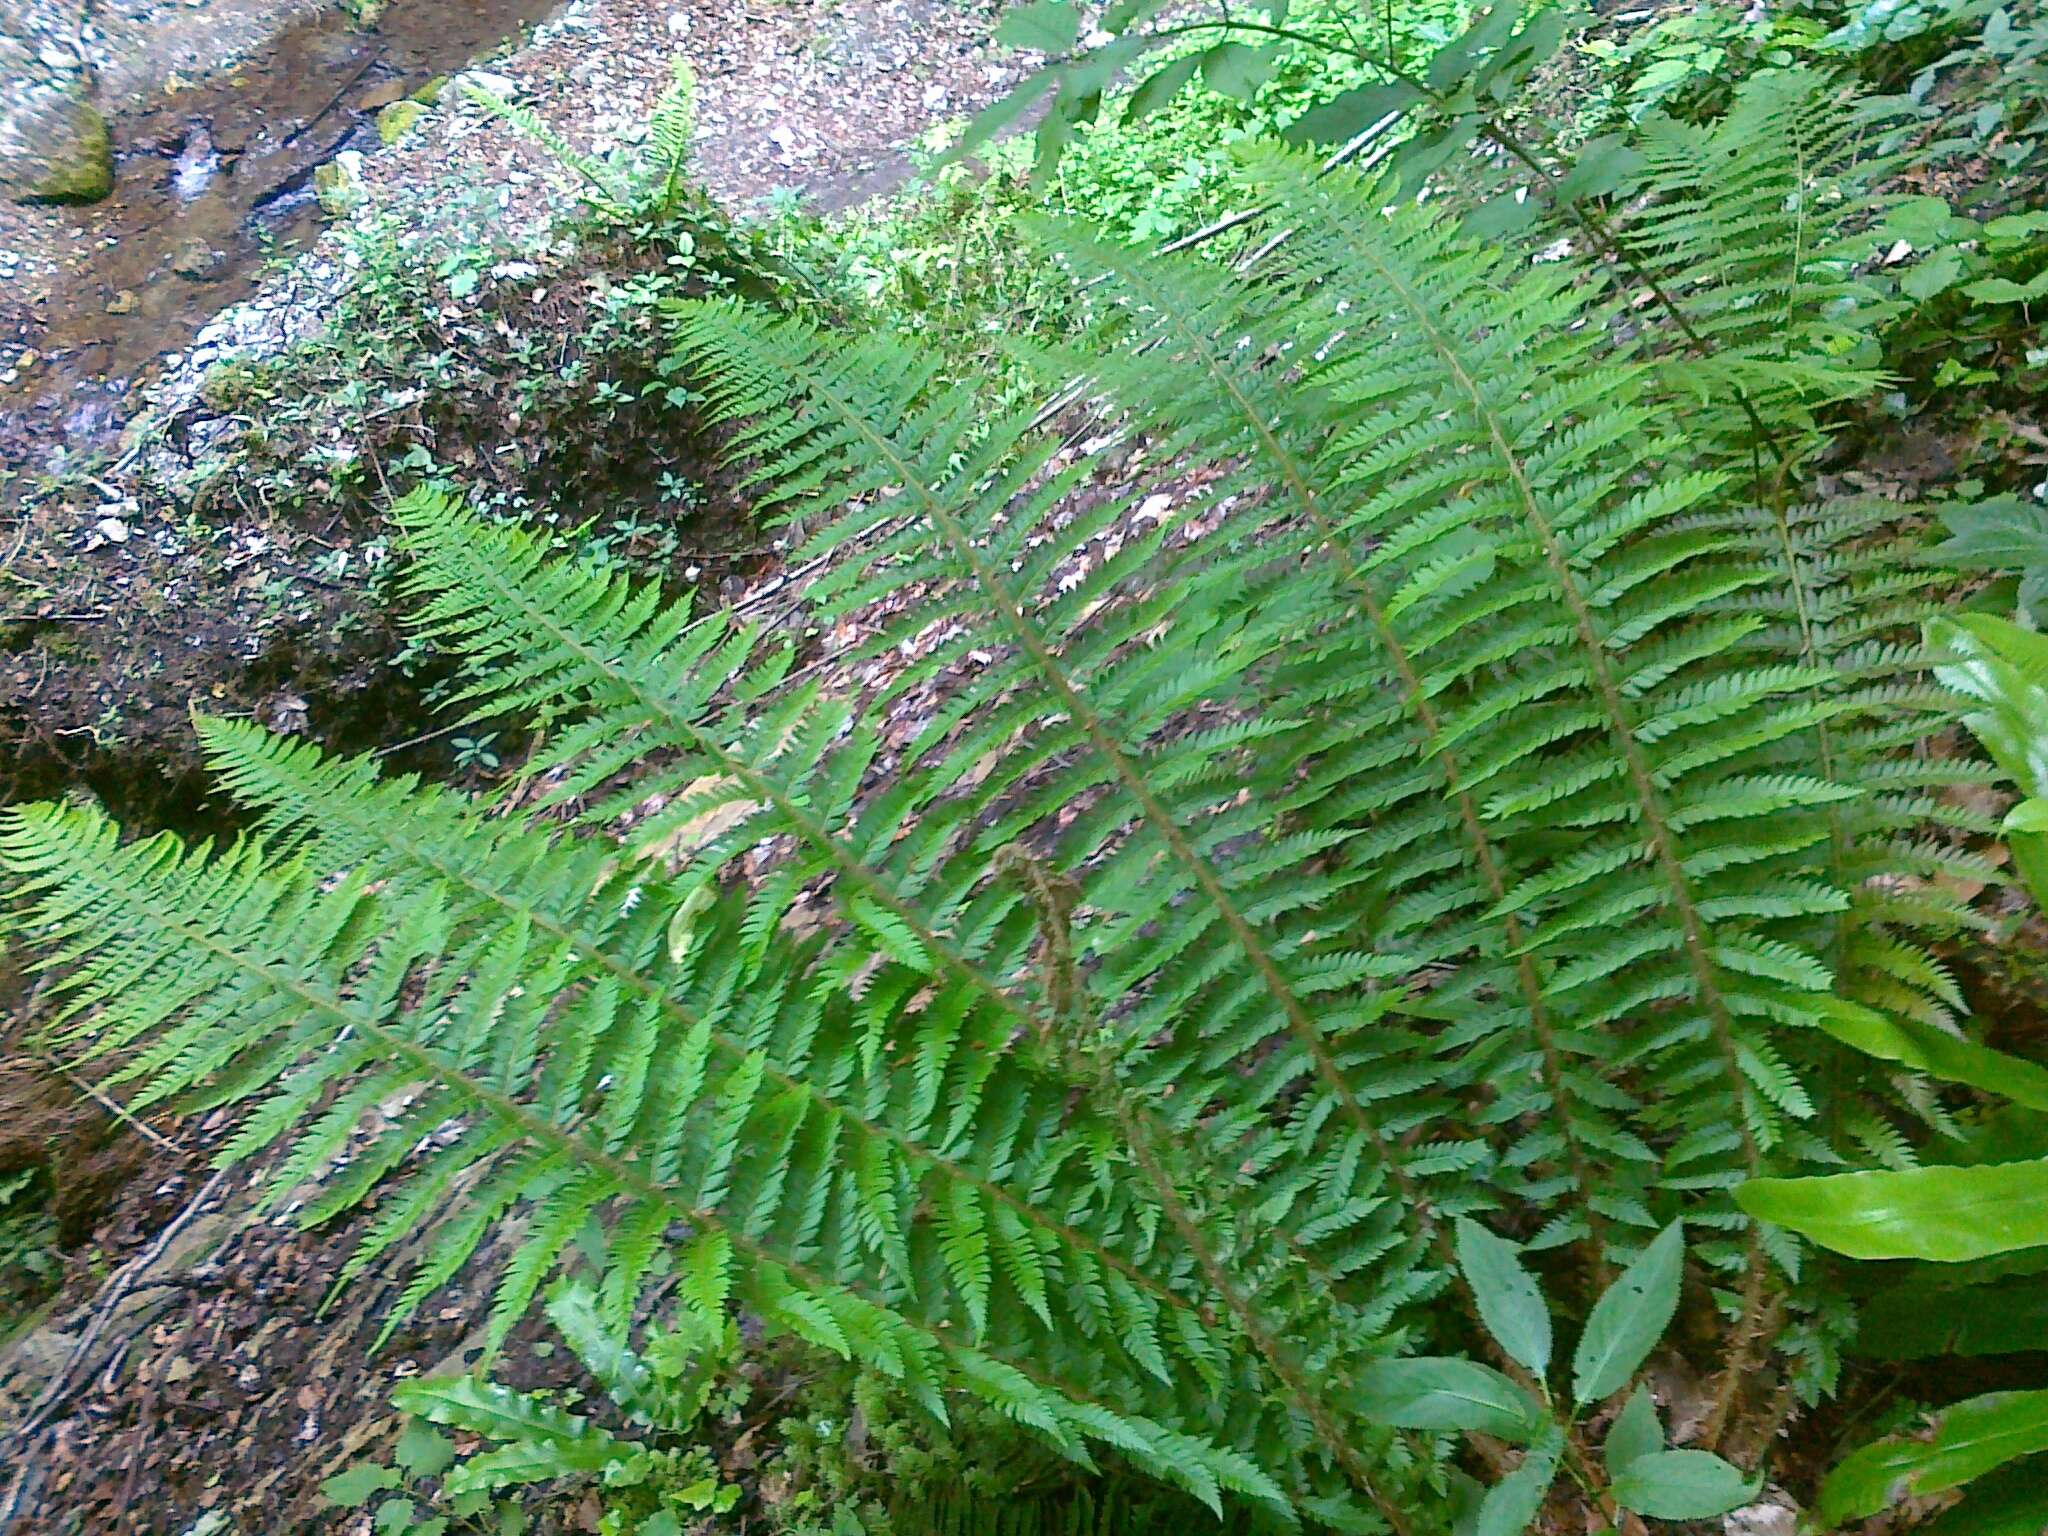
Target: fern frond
749,1171
1469,796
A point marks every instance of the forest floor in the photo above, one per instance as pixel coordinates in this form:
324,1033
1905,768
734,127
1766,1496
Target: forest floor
127,592
189,1369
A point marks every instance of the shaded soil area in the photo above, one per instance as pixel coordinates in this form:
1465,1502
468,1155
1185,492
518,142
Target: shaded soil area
216,1368
249,568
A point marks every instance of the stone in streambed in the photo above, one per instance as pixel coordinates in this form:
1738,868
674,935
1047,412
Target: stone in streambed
198,262
339,184
70,156
396,119
380,96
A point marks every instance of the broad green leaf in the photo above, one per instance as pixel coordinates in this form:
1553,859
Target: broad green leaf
486,1408
572,1308
1044,26
1161,86
2010,1502
1969,1440
1000,114
2008,1133
1635,1433
1943,1214
1629,1318
1509,1302
1467,1495
1501,216
1344,116
1936,275
2028,816
542,1460
1922,222
1604,166
1923,1047
2002,534
1122,13
2003,290
1502,75
355,1487
1917,1322
1085,80
2017,228
1438,1392
1513,1504
423,1450
1236,69
1684,1485
1491,28
2004,668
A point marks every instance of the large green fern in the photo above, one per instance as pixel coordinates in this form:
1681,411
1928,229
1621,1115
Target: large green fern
1455,808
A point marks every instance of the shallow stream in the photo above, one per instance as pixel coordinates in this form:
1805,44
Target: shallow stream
211,184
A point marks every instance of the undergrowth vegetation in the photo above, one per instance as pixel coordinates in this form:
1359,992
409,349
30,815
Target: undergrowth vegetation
1362,916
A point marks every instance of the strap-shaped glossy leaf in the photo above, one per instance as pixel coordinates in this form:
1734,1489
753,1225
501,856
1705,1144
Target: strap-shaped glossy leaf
1940,1213
1970,1439
1925,1048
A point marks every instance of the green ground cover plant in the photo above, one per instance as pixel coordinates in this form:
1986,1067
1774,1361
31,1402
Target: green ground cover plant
1361,962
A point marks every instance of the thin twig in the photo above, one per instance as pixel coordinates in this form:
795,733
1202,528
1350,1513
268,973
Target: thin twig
61,1389
333,101
110,1105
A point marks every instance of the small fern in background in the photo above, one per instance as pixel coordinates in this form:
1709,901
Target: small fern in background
1462,835
623,191
657,1475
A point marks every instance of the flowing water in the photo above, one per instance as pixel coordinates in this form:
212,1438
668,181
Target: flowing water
210,184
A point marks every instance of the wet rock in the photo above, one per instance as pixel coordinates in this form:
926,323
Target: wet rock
500,86
196,164
70,157
198,262
379,96
397,119
123,303
339,184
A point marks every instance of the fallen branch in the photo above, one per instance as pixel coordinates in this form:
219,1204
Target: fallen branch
66,1383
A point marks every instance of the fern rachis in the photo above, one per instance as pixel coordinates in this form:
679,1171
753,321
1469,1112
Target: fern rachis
1251,907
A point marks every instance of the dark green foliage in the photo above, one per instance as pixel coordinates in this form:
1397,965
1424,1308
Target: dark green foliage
1465,814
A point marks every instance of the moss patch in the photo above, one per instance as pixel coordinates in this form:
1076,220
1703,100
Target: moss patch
397,119
75,154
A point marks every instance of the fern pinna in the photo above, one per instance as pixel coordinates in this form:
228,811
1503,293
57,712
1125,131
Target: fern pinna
1423,822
